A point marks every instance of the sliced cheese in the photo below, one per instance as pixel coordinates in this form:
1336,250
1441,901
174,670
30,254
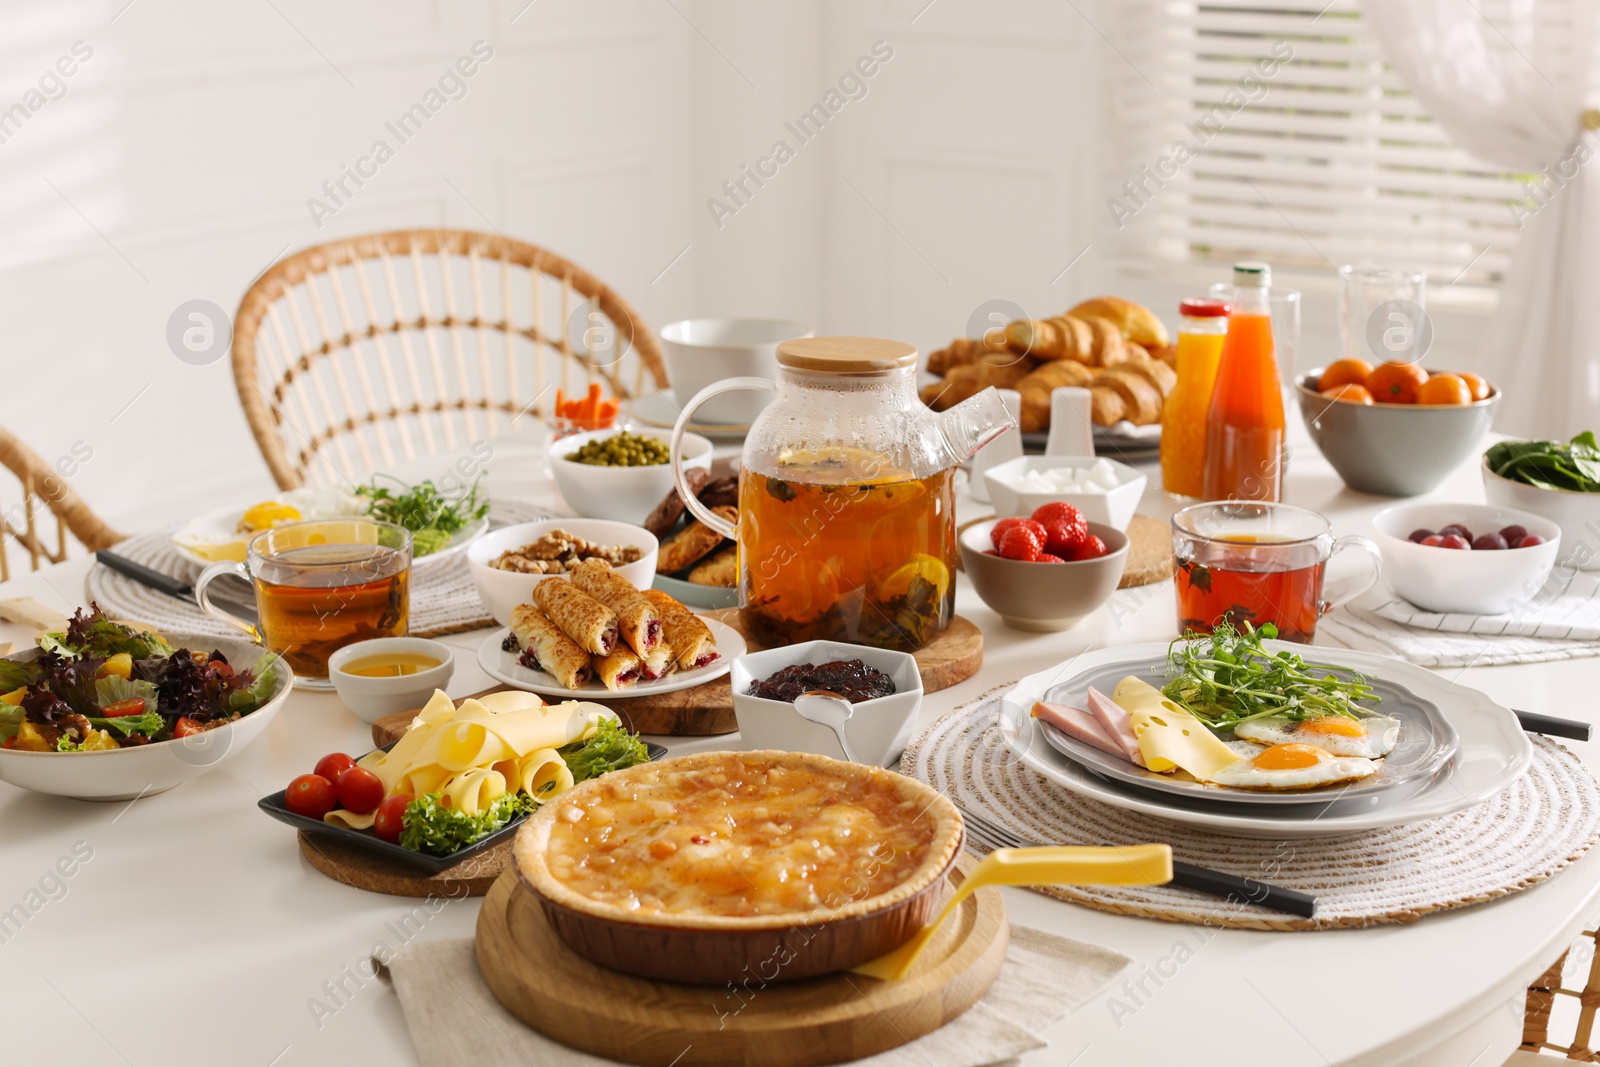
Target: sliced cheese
1170,737
510,700
341,817
472,791
542,774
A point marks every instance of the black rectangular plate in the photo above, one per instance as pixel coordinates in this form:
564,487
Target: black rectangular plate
369,842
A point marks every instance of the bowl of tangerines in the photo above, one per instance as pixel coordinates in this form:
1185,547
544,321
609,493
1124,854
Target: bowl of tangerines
1395,429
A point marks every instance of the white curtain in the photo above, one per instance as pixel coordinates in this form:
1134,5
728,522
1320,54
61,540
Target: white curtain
1510,81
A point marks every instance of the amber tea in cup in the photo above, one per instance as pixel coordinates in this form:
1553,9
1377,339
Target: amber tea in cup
1245,561
322,585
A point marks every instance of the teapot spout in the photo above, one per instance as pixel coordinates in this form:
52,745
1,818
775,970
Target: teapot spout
972,424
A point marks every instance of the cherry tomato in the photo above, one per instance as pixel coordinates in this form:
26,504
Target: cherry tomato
131,706
310,795
333,765
184,726
1455,541
1529,541
360,790
391,817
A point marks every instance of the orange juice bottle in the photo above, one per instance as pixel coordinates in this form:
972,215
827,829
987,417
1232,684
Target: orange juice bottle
1245,426
1183,416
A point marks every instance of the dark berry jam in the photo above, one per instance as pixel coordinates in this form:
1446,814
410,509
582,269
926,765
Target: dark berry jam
850,678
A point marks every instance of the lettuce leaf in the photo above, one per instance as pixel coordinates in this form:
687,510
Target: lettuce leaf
95,635
112,690
431,826
150,723
609,748
10,720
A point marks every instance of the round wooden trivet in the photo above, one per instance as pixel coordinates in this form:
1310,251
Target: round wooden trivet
800,1024
1533,829
1149,550
472,877
952,657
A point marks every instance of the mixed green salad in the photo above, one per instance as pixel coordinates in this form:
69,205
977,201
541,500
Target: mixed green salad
1573,466
100,685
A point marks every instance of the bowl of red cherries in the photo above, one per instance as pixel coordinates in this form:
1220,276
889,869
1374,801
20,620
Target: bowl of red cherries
1473,559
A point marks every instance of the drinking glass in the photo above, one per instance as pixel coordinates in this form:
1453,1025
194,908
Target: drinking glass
1250,561
321,585
1363,291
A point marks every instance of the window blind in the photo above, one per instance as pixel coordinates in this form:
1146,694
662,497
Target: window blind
1274,129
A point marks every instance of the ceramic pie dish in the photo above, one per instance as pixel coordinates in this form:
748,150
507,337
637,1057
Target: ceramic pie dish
722,866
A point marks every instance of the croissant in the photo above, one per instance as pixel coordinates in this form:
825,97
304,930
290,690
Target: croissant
957,353
999,369
1106,406
1134,321
1141,397
1107,347
1040,383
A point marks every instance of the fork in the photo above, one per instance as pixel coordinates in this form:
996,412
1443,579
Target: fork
1229,887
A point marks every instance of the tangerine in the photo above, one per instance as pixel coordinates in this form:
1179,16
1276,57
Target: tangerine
1444,389
1478,387
1344,372
1350,393
1396,383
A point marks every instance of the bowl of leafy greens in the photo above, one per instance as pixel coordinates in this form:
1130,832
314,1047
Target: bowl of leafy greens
1559,481
104,711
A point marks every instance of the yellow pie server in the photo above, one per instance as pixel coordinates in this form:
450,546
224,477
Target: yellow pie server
1056,865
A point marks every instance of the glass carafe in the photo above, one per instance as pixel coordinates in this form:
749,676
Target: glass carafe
846,522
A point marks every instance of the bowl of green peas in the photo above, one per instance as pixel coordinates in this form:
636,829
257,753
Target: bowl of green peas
620,474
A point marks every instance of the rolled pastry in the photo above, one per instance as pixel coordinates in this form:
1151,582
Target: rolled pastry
688,636
660,661
546,648
619,670
580,616
636,618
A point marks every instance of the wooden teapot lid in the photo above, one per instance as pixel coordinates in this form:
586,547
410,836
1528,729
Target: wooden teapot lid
846,355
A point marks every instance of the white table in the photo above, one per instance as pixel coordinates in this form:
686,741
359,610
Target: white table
195,933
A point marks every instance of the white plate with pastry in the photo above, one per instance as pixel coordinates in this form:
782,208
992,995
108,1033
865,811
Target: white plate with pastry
504,663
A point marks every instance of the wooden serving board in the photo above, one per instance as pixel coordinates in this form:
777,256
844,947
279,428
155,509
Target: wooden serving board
1149,550
952,657
800,1024
472,877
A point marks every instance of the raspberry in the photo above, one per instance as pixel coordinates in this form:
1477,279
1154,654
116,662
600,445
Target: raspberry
1003,525
1090,548
1020,543
1064,527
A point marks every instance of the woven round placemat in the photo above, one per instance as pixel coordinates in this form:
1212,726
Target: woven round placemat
1549,818
443,598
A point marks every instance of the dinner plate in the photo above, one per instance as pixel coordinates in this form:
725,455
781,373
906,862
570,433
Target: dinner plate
228,518
503,665
1427,741
1492,752
660,410
1123,441
696,596
367,841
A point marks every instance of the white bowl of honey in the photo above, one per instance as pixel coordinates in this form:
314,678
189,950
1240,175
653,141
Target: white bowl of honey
389,674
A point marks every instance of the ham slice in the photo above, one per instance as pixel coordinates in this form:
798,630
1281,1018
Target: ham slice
1079,725
1118,724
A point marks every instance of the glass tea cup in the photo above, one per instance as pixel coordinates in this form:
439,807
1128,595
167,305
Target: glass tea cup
1251,561
321,585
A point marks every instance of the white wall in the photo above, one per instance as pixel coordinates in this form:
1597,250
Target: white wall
179,162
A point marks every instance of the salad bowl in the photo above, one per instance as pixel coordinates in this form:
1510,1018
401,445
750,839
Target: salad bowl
145,770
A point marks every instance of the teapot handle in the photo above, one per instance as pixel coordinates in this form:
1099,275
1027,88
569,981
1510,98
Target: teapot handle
697,509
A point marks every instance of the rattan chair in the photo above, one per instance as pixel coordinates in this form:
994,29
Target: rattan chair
354,354
1542,998
44,490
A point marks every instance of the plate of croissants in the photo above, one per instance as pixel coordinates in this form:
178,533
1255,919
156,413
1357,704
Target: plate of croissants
1118,350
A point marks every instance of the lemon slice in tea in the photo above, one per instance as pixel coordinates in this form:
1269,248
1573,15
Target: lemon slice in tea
921,566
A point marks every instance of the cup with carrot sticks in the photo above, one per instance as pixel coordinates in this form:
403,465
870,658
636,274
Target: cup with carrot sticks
592,411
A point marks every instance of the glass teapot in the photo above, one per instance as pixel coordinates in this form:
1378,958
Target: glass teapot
847,526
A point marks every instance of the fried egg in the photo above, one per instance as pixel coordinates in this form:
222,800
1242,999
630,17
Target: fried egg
1369,737
1290,766
222,535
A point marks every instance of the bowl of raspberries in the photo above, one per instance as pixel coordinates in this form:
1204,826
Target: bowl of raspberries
1047,571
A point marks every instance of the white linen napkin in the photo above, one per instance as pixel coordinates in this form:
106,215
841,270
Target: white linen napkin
1368,632
455,1021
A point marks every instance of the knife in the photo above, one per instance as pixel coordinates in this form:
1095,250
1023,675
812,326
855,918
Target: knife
1551,726
173,587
